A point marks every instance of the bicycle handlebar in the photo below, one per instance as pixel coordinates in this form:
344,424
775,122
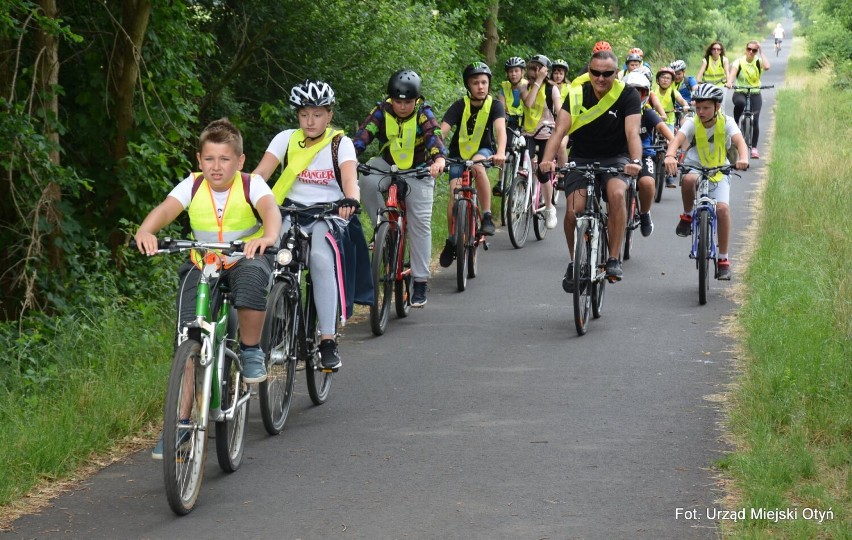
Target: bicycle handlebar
752,88
395,172
708,171
315,211
589,168
487,163
176,245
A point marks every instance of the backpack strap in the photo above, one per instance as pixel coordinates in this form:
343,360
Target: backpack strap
246,179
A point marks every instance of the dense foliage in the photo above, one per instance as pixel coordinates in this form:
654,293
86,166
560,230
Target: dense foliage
102,102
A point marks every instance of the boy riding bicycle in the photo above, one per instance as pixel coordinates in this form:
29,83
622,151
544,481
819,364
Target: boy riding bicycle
406,126
703,134
223,206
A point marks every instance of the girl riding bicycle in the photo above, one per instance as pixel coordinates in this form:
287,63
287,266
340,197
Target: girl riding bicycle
319,166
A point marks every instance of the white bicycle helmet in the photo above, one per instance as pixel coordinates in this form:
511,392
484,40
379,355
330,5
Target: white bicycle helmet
707,91
311,94
678,65
515,61
638,80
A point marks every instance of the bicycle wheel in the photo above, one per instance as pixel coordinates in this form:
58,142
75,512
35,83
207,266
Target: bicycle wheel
659,176
319,380
402,287
383,254
278,339
539,227
583,274
746,129
506,176
231,434
472,260
632,221
518,216
184,439
461,234
599,279
703,257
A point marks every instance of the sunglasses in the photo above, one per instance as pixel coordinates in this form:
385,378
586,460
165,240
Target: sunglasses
751,49
716,49
604,74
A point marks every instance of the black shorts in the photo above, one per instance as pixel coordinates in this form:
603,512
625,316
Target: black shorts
648,166
575,180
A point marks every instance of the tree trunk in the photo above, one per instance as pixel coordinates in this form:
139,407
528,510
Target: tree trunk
488,48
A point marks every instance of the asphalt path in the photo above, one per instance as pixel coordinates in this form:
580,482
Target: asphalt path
483,415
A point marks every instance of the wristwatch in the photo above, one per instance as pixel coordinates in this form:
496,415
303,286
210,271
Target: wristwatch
636,161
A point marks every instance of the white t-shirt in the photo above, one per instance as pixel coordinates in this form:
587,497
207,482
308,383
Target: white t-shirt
317,183
183,192
688,130
779,33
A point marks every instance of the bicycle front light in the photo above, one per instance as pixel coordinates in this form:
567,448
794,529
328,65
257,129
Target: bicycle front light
284,257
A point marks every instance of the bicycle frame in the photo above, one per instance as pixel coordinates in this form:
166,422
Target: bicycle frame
465,193
394,214
703,203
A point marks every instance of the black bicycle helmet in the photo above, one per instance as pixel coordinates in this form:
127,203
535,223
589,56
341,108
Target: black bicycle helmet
515,61
311,94
560,63
404,84
540,59
707,91
476,68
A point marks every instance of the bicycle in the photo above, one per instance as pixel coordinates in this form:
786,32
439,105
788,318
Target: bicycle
515,160
633,220
704,225
591,248
746,123
777,46
205,382
290,332
391,267
659,146
466,222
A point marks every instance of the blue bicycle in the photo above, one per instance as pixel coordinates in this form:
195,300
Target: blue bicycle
704,225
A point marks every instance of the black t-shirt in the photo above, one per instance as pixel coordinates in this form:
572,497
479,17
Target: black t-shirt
604,137
453,117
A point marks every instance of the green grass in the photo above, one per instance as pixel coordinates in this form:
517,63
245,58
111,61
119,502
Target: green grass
792,409
108,383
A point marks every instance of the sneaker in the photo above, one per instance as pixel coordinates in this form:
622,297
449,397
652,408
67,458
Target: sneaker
418,299
684,228
254,365
724,270
550,217
487,228
568,279
185,436
645,224
755,154
448,254
329,358
613,269
670,182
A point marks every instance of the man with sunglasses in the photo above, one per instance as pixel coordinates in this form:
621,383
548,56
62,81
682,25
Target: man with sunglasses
746,71
603,118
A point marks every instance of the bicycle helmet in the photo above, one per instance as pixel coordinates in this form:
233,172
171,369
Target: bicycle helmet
515,61
663,70
678,65
560,63
633,58
476,68
311,94
708,92
638,80
404,84
540,59
601,46
638,51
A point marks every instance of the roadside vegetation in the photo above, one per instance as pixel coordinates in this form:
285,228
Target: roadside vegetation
791,414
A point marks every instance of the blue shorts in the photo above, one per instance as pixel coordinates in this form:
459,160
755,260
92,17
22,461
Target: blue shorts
456,169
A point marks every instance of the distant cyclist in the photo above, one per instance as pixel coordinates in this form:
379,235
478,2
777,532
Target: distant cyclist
510,96
779,35
683,83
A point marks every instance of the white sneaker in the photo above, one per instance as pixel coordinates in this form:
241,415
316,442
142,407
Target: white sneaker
550,217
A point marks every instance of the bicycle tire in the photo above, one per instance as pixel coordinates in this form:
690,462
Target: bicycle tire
402,287
659,177
599,281
703,257
231,434
319,381
506,177
583,275
279,340
472,260
632,221
746,129
382,272
461,236
539,226
518,216
183,468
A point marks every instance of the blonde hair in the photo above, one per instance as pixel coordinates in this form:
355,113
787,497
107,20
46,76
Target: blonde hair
222,131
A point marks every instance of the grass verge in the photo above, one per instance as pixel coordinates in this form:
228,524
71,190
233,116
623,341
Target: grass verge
791,413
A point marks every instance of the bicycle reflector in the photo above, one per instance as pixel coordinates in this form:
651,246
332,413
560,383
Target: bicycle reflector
284,257
211,259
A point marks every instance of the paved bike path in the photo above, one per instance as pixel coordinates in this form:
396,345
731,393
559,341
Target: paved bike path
483,415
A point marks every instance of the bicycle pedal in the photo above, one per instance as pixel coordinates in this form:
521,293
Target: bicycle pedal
328,370
485,246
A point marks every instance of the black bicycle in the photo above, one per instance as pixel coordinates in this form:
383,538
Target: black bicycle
290,331
746,123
